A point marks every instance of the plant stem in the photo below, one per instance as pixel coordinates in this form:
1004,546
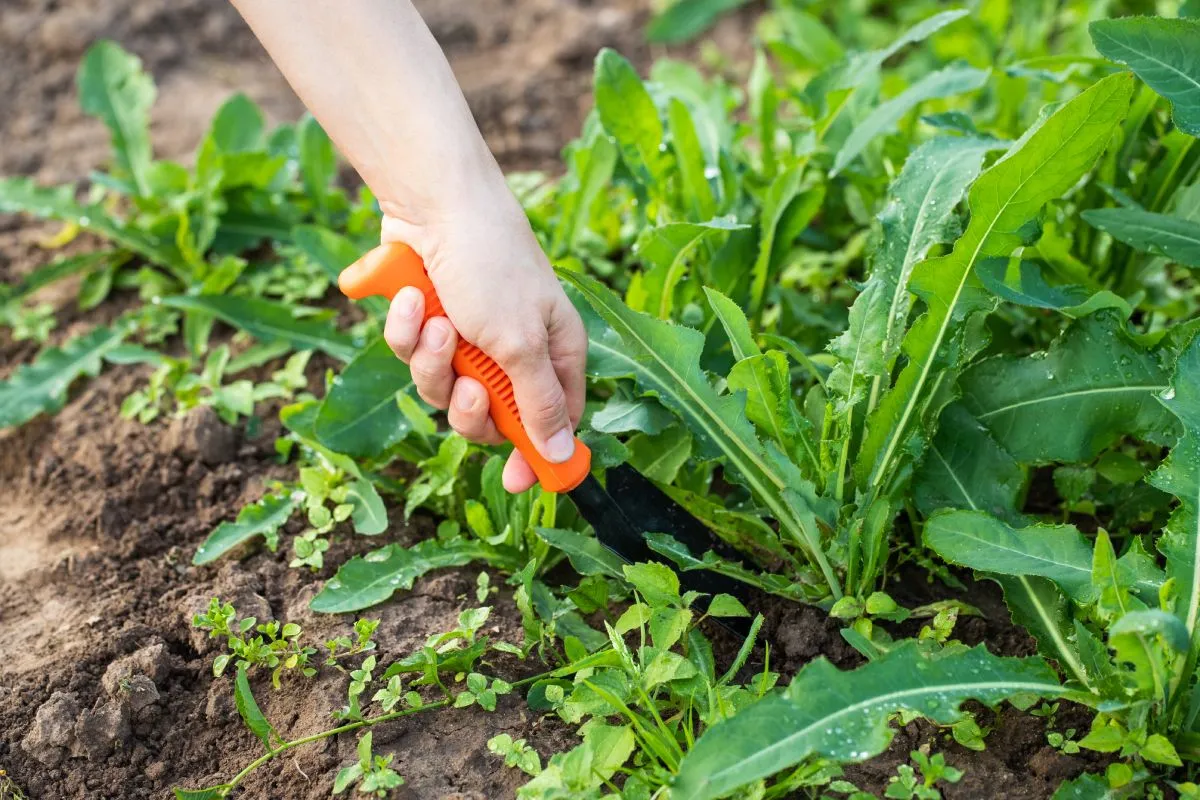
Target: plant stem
366,723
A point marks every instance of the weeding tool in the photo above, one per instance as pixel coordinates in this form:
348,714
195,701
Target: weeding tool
619,514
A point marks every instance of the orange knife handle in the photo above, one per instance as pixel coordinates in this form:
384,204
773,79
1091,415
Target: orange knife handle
389,268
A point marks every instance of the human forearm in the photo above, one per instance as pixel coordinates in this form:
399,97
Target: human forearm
377,81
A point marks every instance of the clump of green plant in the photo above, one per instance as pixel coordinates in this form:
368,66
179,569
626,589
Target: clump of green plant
269,644
907,784
177,236
372,774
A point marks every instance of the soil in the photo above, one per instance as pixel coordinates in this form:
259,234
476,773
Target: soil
106,690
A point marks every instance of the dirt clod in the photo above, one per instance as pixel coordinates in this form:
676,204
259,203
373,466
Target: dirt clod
99,731
141,692
201,435
153,662
53,730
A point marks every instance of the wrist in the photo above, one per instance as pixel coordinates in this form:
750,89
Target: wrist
459,181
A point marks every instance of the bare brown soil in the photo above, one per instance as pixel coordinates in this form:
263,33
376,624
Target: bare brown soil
105,689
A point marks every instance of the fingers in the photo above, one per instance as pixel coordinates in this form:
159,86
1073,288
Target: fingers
430,362
539,393
402,328
426,349
469,412
518,475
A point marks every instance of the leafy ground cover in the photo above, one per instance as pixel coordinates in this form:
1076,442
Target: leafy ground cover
907,296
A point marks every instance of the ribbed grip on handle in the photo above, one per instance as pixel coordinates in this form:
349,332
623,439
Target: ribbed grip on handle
389,268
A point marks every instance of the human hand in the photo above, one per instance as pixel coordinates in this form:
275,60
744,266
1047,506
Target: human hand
500,293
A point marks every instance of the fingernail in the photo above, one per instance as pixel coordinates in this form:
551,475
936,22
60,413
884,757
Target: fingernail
466,399
406,302
436,335
561,446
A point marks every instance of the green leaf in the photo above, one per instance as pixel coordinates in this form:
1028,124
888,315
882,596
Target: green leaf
364,581
768,386
1159,749
657,583
979,541
1085,787
687,19
1180,475
665,360
1152,622
1022,282
369,515
947,82
1093,386
966,469
263,518
734,321
859,69
57,270
1040,607
318,162
587,555
695,189
333,252
41,387
660,457
783,191
843,716
748,533
359,415
1049,160
23,196
665,250
1165,53
213,793
622,415
272,321
346,777
589,172
628,115
1161,234
252,715
238,126
724,605
919,214
860,348
114,88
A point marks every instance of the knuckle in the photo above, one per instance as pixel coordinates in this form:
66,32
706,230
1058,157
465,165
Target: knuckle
399,342
431,396
548,407
423,372
519,346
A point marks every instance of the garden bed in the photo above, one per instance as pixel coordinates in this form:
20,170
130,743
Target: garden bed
861,489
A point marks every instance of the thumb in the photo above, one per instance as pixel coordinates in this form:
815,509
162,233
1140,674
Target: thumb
542,402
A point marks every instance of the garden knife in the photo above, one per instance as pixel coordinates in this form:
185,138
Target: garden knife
620,513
